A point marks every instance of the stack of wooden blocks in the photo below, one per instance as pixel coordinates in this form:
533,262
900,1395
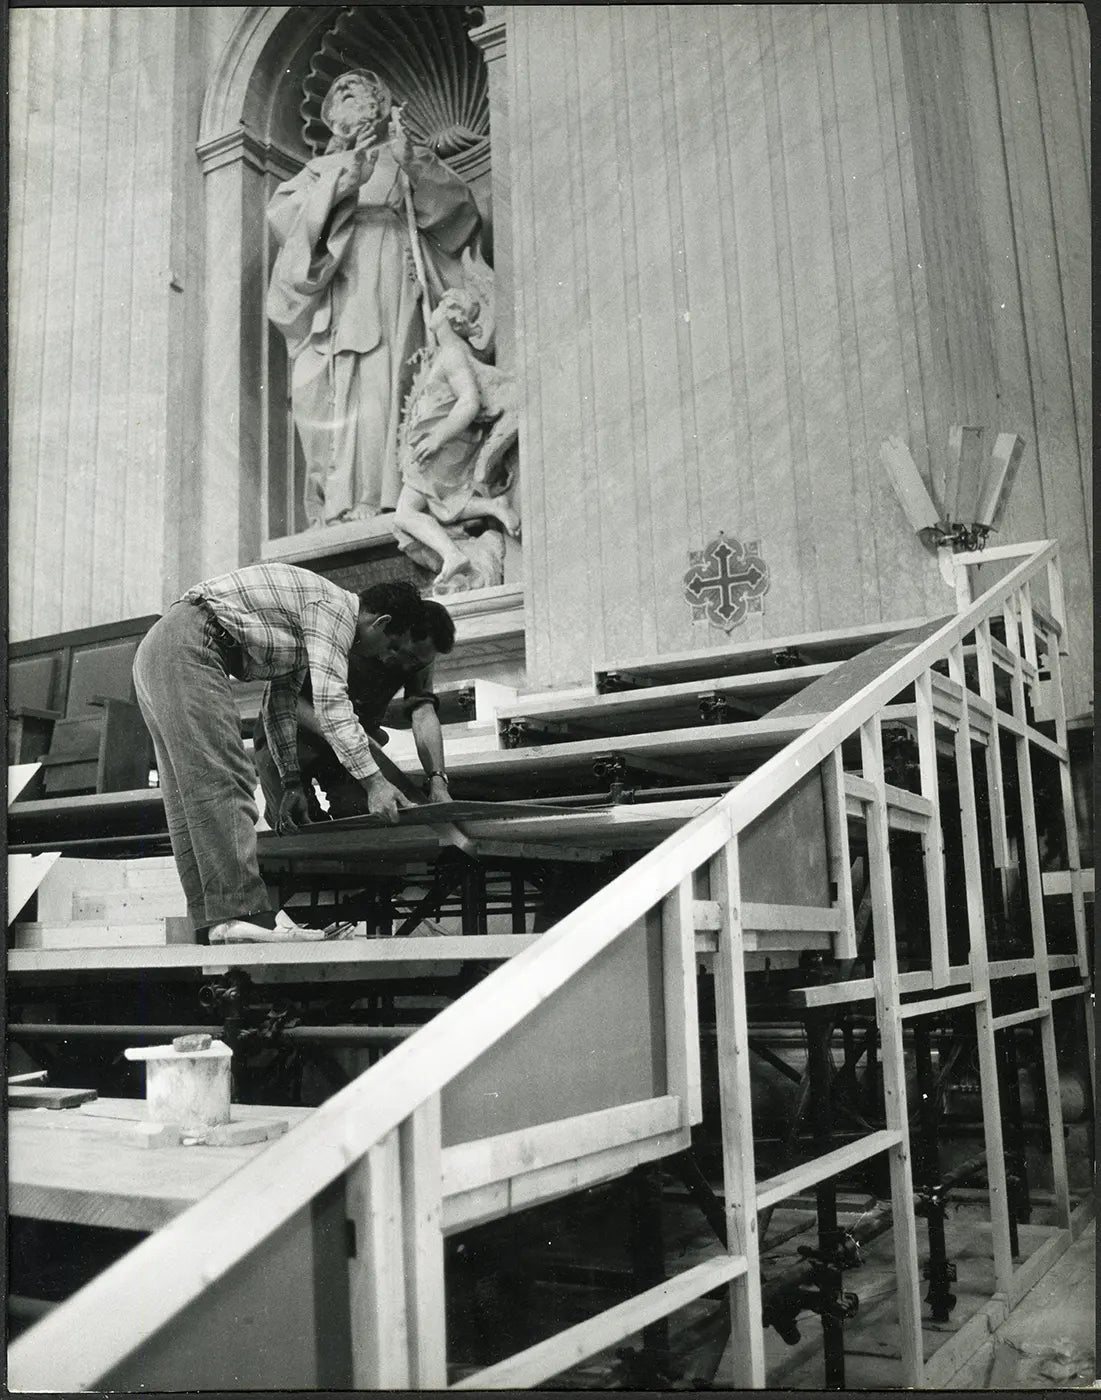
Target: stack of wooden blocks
107,904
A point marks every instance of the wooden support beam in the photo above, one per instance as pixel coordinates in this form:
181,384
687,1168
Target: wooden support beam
376,1272
559,1353
1021,1018
555,1179
789,918
936,1006
422,1239
932,838
782,1187
889,1022
838,854
980,977
1037,921
682,1028
470,1165
739,1171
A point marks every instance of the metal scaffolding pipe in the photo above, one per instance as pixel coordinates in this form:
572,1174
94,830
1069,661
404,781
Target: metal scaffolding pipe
330,1035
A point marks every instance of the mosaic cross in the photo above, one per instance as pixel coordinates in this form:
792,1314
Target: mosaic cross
726,582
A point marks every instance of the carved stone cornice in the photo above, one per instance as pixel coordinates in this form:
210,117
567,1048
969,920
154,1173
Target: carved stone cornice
265,157
491,36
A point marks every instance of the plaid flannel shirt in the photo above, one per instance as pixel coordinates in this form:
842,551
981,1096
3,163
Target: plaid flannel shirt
291,623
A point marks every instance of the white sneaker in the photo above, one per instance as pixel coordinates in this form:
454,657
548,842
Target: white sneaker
242,931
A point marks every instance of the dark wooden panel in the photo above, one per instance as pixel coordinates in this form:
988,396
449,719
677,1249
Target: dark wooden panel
277,1321
605,1032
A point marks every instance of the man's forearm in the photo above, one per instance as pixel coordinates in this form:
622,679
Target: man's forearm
428,737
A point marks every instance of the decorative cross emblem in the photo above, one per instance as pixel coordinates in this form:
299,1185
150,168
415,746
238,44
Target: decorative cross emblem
726,582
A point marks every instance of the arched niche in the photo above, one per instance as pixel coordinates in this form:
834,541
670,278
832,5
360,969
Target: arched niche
253,135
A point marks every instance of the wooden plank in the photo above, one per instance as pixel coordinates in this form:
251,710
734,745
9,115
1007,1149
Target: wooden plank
682,1028
44,1096
76,1174
998,479
648,699
838,853
422,1240
739,1171
889,1023
800,918
376,1273
994,779
935,1006
913,494
830,644
932,838
1021,1018
707,915
362,953
569,1348
549,1183
471,1165
774,1189
1038,926
963,479
981,975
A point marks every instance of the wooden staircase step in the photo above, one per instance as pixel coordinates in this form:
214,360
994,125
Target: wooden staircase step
151,933
660,706
836,644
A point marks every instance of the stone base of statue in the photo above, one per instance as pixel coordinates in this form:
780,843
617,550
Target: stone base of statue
485,553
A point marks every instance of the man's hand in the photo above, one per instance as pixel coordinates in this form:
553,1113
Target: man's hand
294,810
438,790
383,798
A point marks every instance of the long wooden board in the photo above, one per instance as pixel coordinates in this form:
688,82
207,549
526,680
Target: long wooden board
843,682
360,954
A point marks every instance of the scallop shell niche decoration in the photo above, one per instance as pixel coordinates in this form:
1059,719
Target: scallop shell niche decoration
424,55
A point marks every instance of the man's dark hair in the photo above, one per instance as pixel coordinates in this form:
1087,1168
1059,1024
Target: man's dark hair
438,625
410,613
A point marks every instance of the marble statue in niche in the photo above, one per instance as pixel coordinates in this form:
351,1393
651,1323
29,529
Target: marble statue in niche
370,234
457,444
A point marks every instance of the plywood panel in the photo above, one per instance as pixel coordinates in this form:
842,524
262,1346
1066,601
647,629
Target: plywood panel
606,1028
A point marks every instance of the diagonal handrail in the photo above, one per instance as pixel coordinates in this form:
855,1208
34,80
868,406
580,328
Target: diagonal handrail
201,1245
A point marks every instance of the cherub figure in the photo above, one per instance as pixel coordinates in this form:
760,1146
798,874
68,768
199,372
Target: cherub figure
460,422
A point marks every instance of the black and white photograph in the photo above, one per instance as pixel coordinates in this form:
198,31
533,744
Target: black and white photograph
550,653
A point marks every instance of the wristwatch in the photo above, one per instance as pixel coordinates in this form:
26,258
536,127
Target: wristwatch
436,773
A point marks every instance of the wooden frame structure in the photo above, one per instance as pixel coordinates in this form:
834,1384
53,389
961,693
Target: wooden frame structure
382,1139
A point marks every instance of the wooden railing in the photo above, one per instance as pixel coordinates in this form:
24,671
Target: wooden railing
404,1189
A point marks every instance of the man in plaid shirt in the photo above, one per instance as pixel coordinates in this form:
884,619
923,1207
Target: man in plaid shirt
282,624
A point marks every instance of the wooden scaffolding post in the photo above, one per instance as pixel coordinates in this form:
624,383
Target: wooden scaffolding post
985,655
838,854
1034,883
1070,818
980,982
419,1140
682,1028
889,1022
376,1273
739,1172
932,837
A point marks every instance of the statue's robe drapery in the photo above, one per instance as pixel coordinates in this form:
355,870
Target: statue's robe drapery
344,294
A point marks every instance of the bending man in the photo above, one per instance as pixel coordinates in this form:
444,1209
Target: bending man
280,623
372,684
